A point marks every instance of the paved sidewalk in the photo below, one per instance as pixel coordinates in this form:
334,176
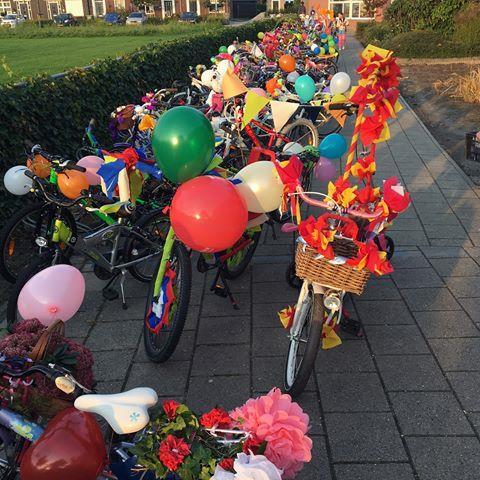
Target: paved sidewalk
400,403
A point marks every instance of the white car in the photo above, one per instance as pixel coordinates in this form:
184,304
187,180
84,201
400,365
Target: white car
12,20
137,18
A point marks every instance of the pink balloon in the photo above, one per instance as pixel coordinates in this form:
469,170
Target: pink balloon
55,293
325,170
259,91
92,163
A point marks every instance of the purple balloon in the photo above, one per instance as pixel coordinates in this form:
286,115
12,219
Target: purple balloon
326,90
325,170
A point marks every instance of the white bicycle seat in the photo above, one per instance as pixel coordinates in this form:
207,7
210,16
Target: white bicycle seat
126,412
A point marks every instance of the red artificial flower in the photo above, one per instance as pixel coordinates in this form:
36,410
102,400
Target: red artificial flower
394,196
170,408
252,444
367,195
216,418
226,464
172,452
371,258
318,235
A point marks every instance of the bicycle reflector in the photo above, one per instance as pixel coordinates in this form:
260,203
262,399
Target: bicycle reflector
332,301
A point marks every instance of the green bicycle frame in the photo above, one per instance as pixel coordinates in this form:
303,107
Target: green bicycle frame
166,254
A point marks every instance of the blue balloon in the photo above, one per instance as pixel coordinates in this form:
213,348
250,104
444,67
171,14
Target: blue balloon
333,146
335,39
316,51
324,35
305,88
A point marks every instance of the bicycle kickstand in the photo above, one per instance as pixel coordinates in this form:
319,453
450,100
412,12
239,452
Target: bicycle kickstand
223,290
122,288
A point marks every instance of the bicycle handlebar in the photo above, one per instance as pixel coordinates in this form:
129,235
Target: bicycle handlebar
62,164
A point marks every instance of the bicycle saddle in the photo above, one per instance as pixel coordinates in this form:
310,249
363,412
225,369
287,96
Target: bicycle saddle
126,412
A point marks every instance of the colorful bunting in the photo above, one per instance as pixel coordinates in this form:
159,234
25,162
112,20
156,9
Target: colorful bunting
253,104
232,85
281,113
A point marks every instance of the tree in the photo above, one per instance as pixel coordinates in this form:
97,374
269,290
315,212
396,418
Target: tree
371,5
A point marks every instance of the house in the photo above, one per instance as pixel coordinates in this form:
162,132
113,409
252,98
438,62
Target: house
6,7
38,9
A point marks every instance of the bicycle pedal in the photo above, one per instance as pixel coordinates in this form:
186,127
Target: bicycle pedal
220,291
110,293
351,326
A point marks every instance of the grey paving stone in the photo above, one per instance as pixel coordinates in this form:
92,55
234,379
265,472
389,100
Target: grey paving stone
221,360
228,392
215,306
112,365
388,312
383,289
351,356
224,330
364,437
109,388
444,252
273,273
242,284
115,336
78,326
451,242
464,287
457,353
273,292
191,321
440,231
411,372
183,351
429,413
352,392
166,379
446,219
465,385
409,237
265,259
475,420
455,267
266,314
395,339
311,405
274,249
406,224
448,324
135,311
417,278
270,341
409,259
446,458
318,468
426,299
472,307
381,471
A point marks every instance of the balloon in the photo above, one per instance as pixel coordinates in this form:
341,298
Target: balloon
213,59
260,35
316,51
259,91
16,181
324,36
324,170
331,50
260,186
40,166
217,83
72,183
92,163
305,88
207,77
313,47
292,76
340,83
55,293
208,214
183,143
336,40
329,37
331,43
223,49
231,49
292,148
223,66
333,146
322,51
287,63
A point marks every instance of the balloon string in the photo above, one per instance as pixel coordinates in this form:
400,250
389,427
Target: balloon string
353,144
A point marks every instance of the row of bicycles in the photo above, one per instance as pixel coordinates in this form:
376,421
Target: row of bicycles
193,175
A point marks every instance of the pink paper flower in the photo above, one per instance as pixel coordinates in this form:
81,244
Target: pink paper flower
275,419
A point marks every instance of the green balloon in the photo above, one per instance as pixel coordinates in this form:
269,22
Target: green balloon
223,49
212,59
183,143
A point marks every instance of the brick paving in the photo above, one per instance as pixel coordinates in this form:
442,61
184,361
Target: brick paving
400,403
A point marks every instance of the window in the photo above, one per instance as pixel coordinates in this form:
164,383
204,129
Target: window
192,6
168,8
351,9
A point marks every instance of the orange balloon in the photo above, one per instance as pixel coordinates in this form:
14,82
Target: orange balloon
39,165
71,183
271,85
287,63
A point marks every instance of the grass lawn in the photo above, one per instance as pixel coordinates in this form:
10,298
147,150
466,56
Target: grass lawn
30,56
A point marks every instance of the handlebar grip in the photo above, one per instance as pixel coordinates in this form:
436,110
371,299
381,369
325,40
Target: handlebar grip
343,106
29,174
91,123
78,168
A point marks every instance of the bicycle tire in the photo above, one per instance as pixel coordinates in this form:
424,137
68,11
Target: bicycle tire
178,321
132,243
296,385
24,276
8,271
299,122
232,273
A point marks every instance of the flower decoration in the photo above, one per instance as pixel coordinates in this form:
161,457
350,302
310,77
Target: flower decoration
216,418
394,195
170,408
173,451
370,257
318,234
342,192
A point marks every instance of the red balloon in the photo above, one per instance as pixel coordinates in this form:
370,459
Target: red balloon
71,447
208,214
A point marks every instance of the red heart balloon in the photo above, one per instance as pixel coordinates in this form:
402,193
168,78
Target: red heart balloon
71,447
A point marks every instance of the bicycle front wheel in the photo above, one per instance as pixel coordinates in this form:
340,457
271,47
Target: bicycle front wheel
302,131
305,338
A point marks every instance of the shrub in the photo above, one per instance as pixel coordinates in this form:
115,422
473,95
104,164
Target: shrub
374,33
443,14
467,25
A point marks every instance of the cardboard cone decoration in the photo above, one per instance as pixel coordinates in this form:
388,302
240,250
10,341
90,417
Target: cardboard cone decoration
253,104
232,85
281,113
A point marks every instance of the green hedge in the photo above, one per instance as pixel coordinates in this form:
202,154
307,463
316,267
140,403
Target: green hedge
55,113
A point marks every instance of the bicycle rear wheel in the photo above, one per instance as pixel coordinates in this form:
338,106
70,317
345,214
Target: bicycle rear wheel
160,345
302,131
305,340
237,264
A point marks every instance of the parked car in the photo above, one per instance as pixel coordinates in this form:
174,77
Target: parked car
65,20
113,19
189,17
137,18
12,20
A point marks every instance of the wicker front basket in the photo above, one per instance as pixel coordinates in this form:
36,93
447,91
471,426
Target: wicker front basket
340,277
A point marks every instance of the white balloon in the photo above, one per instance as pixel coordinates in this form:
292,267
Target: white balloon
292,76
223,66
260,186
16,181
340,83
292,148
231,49
217,83
313,47
207,77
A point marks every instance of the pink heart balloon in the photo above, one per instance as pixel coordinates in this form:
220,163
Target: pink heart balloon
55,293
92,163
